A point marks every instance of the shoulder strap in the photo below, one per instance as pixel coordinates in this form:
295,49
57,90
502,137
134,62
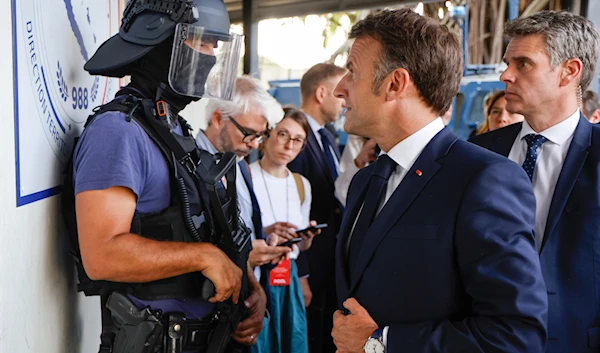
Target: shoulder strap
299,186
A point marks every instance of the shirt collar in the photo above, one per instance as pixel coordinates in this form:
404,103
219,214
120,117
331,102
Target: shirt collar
406,152
204,143
557,134
314,125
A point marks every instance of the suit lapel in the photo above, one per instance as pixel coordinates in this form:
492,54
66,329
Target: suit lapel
256,220
503,142
568,175
402,198
315,148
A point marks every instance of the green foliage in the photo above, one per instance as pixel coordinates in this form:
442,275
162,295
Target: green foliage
334,22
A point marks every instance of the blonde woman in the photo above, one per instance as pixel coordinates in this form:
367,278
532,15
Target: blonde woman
496,115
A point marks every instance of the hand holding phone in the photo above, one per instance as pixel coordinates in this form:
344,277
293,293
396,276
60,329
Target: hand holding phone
290,242
313,229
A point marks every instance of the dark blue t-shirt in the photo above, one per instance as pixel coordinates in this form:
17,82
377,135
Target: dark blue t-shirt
115,152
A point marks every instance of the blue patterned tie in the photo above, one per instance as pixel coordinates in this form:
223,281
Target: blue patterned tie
376,192
327,139
534,141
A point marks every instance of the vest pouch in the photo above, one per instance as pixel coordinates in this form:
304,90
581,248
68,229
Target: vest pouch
87,285
193,200
158,225
166,225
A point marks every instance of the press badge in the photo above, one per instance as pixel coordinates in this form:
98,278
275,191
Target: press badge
280,275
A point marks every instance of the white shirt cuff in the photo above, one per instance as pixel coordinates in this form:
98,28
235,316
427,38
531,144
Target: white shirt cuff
385,333
257,273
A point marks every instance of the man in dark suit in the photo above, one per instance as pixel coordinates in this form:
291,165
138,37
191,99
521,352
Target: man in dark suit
319,163
436,251
551,59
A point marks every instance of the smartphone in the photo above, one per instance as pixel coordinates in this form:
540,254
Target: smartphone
291,242
312,229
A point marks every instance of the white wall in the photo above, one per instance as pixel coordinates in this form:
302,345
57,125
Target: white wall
195,114
40,310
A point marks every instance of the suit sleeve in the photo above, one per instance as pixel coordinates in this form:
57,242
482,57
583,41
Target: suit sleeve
298,165
500,268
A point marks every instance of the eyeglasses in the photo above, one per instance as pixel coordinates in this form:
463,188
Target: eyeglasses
249,137
283,138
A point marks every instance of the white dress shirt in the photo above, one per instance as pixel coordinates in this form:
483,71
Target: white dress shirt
551,157
348,168
405,153
315,127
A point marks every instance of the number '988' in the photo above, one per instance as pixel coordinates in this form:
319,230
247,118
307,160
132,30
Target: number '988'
80,98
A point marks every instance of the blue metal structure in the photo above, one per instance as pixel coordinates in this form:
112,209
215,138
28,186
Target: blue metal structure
513,9
477,82
468,107
286,91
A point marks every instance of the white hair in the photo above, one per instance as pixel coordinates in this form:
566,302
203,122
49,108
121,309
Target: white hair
249,93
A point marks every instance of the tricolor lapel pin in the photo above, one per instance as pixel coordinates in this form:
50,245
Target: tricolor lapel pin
419,172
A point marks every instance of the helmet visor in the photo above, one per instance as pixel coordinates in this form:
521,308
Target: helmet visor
204,63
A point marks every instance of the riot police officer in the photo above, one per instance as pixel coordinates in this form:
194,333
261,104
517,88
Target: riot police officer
152,237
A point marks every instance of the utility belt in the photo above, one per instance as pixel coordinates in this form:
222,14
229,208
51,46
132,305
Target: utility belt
150,331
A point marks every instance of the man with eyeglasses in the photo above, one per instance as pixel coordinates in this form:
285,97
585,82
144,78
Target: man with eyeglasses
239,126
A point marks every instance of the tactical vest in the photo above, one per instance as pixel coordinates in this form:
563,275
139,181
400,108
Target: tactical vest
199,210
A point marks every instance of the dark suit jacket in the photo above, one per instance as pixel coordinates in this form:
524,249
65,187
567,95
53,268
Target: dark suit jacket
318,261
570,254
449,264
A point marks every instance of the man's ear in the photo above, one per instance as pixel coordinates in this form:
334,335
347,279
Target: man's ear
396,84
320,94
595,118
216,119
571,71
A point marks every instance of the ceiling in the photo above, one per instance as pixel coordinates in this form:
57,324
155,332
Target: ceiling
287,8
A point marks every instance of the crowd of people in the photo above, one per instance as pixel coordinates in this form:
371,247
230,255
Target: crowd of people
410,241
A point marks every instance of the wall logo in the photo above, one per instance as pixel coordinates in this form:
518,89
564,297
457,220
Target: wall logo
53,94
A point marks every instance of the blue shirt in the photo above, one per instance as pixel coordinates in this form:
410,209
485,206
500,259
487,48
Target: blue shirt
115,152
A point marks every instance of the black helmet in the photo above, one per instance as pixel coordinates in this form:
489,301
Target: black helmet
147,23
